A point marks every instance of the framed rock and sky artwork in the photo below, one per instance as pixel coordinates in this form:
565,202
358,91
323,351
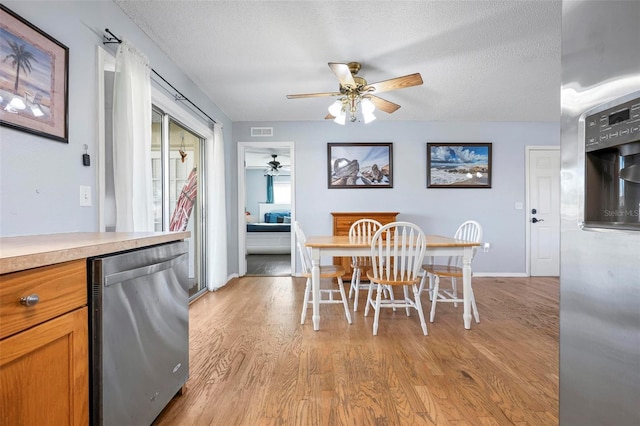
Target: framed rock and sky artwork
360,165
459,165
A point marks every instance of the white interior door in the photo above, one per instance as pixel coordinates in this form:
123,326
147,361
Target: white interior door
544,210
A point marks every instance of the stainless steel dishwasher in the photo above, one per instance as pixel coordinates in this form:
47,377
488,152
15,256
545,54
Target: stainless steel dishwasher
139,322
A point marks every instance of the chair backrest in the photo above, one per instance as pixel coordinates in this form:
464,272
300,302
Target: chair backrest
468,231
305,256
363,229
397,251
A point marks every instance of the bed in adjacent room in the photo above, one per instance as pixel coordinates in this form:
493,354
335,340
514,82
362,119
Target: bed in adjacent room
271,234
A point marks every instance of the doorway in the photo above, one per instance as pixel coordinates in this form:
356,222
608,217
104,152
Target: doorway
265,243
543,210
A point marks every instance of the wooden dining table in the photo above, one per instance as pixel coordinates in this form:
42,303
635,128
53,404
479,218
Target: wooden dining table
342,245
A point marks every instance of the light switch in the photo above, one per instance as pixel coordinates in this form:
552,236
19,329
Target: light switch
85,196
518,206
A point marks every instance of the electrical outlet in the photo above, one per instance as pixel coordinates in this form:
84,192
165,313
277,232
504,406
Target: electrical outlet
85,196
486,247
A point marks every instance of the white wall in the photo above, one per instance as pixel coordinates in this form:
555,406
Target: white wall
437,211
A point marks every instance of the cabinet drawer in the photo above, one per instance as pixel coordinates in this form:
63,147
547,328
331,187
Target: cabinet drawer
60,288
342,225
342,221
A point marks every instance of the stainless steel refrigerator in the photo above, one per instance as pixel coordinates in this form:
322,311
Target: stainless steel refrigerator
600,206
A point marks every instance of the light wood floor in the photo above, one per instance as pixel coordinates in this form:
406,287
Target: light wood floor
252,363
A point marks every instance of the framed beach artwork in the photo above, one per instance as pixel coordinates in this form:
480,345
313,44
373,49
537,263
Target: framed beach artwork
459,165
33,79
360,165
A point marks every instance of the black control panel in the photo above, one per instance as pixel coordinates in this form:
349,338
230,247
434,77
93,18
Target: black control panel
615,126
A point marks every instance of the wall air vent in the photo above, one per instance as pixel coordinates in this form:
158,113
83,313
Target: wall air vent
261,131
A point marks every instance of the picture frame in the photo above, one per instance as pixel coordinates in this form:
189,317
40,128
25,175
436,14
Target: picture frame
459,165
34,79
360,165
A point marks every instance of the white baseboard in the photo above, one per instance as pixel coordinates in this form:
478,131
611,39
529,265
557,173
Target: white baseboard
501,274
229,278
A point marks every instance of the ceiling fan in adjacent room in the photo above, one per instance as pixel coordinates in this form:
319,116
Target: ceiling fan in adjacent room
354,91
274,166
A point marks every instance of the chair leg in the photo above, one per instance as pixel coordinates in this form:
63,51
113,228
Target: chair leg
405,292
376,316
305,304
431,284
344,299
391,296
436,288
423,280
416,295
354,282
474,307
369,300
356,289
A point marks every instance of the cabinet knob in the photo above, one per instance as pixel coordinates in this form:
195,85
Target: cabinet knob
30,300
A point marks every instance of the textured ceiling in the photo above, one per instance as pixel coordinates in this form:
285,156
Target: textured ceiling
479,60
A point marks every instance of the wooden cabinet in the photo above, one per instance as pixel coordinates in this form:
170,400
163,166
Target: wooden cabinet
44,357
342,222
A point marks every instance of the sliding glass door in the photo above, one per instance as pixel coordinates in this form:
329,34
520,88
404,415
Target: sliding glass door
177,155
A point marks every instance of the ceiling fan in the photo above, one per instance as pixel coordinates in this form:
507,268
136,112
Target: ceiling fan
274,165
355,90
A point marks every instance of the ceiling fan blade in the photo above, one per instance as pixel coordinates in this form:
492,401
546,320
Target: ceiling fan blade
313,95
383,104
395,83
343,73
329,117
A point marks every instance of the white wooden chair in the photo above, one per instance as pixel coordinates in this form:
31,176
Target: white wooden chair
452,269
362,229
397,253
326,271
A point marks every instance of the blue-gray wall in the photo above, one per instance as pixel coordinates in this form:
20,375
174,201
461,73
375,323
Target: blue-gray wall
437,211
255,192
40,178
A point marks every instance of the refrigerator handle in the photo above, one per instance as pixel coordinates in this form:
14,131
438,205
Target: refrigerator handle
119,277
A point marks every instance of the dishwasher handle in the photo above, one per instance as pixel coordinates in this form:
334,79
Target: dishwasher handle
130,274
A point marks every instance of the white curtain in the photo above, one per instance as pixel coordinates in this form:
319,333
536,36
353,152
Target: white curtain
216,212
132,141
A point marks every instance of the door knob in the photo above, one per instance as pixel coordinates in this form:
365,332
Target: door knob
534,220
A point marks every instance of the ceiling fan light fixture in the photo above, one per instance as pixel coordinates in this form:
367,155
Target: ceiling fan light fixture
340,118
367,106
367,110
368,117
335,108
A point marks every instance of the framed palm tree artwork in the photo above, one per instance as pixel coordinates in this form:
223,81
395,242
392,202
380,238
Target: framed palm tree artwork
34,79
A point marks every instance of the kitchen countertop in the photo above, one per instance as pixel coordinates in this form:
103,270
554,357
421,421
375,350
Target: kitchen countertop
32,251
